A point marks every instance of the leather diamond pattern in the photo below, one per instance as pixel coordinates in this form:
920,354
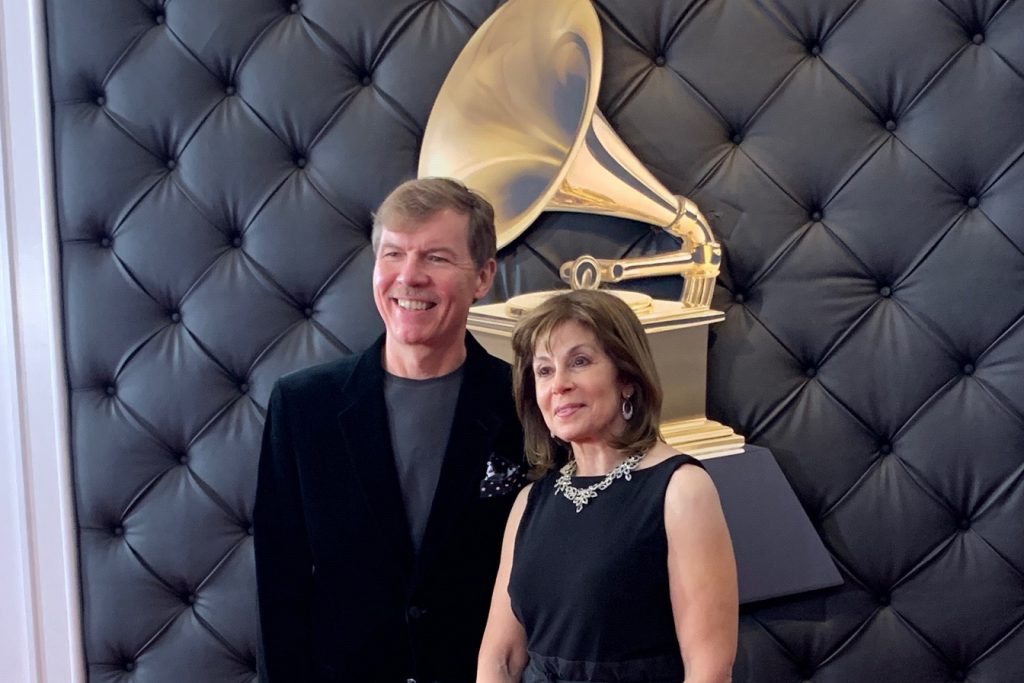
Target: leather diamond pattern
217,166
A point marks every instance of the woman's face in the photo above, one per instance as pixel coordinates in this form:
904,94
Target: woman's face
578,388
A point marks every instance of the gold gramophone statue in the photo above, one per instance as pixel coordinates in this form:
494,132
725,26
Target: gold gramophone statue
517,120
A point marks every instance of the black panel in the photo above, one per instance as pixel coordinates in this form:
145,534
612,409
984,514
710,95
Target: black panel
217,165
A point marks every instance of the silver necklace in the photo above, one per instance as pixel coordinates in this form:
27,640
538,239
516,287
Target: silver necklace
580,497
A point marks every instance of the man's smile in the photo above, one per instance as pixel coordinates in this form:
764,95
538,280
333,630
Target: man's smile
414,304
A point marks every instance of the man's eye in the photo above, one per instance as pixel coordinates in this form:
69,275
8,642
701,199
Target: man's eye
436,258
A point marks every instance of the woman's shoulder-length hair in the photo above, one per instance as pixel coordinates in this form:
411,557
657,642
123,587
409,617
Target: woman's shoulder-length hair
621,337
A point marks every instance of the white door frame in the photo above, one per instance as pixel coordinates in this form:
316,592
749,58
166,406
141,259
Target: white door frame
40,604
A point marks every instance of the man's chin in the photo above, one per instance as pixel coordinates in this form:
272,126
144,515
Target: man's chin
407,337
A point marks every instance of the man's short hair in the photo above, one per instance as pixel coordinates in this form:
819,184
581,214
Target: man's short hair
416,201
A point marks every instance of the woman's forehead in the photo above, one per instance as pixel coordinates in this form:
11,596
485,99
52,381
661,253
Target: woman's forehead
562,336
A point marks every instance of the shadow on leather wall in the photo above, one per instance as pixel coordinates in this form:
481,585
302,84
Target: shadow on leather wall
217,163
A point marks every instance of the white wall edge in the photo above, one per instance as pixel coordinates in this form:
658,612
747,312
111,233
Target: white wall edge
39,593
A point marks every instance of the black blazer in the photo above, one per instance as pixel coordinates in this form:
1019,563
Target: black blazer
342,597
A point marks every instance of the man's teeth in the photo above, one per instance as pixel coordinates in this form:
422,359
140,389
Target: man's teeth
412,305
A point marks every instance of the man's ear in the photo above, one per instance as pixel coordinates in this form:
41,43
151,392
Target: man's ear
485,278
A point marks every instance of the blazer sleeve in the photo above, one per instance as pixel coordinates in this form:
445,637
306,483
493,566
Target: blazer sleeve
284,566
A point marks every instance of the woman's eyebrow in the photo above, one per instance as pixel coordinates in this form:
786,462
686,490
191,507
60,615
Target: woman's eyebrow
575,349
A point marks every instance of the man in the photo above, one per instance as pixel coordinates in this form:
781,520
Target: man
377,538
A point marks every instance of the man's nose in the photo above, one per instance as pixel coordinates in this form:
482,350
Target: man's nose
412,273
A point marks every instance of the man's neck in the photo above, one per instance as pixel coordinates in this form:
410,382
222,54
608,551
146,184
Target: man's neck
421,362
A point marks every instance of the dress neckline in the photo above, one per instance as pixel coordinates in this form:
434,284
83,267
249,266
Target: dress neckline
639,470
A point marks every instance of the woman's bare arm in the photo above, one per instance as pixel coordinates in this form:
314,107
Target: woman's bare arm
702,577
503,650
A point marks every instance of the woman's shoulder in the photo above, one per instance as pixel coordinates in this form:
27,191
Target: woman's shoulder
690,491
661,454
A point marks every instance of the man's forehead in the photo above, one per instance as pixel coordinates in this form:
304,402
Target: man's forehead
450,231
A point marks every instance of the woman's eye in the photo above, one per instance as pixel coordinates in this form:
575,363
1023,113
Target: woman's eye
542,371
580,361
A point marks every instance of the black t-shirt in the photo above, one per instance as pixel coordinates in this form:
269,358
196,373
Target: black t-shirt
420,414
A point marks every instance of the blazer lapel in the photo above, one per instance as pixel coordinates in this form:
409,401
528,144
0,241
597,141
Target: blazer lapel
363,424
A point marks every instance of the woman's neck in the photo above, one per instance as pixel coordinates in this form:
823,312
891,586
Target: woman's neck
596,459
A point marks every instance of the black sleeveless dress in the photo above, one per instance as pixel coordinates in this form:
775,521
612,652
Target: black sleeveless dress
591,588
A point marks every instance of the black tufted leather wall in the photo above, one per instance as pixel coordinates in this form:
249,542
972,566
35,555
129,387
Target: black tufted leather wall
217,163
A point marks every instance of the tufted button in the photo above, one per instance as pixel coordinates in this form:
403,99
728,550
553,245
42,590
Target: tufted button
816,216
175,317
968,369
978,38
959,675
885,449
190,598
183,458
244,387
236,240
110,390
117,530
308,312
293,8
815,49
973,202
884,599
100,100
105,242
249,530
737,138
965,524
229,89
738,297
890,125
415,612
366,80
171,164
410,680
660,60
129,666
159,17
885,291
810,372
300,161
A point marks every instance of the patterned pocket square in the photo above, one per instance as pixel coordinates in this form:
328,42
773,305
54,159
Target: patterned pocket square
502,478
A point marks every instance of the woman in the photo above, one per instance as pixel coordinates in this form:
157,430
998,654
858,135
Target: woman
618,566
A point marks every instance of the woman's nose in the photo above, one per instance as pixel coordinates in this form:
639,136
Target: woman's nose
561,383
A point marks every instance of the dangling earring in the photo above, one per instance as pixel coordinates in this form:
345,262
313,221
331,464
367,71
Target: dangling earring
627,408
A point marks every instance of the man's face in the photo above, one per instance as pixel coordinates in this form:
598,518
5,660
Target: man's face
424,281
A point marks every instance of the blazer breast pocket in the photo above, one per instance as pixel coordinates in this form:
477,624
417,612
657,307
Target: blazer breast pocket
501,477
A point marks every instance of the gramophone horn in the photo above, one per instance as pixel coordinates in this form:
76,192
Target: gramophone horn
517,119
